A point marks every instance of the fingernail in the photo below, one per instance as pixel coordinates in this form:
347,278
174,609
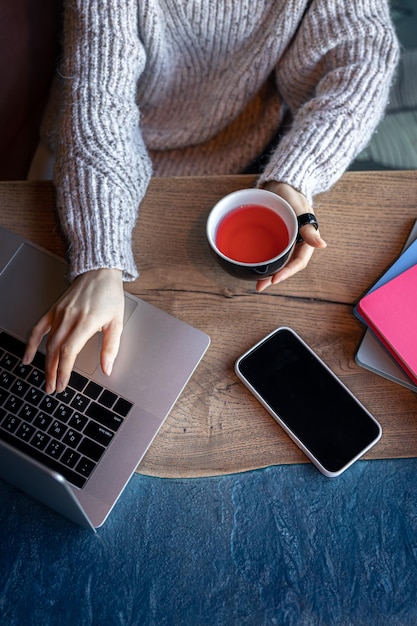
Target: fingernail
278,278
108,368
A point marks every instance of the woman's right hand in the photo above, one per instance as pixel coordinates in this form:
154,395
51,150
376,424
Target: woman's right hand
94,302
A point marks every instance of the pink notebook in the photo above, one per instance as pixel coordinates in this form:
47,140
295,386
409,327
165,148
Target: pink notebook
391,313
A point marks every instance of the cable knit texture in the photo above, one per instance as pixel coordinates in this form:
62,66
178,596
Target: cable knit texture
175,87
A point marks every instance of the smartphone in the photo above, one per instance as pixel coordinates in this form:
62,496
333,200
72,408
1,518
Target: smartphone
308,401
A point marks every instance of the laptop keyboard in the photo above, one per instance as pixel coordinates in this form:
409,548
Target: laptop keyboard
69,431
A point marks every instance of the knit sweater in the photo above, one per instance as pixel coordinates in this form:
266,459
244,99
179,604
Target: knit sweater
199,87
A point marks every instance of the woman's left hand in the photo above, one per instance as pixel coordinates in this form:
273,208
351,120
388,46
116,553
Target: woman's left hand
93,302
311,237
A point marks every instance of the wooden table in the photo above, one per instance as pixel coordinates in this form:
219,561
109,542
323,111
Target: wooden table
216,426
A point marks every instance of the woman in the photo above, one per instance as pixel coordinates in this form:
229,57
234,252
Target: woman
167,87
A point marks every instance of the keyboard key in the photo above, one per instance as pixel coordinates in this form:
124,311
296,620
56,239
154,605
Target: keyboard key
34,395
25,431
48,404
57,429
40,440
55,449
19,387
36,378
66,395
8,361
93,390
63,412
85,467
22,370
10,423
91,449
28,412
70,458
42,421
13,404
77,381
39,361
104,416
80,402
122,407
107,398
72,438
78,421
98,433
6,379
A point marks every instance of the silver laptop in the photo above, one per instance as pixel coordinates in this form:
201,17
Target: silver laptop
75,451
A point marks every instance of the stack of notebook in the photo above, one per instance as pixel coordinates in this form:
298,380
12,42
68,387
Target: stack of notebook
389,309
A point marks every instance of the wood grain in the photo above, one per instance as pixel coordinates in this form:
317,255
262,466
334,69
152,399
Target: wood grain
216,426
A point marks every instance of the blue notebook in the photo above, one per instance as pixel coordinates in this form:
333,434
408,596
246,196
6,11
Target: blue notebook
371,354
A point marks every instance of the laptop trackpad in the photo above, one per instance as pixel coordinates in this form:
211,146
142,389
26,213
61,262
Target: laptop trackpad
29,285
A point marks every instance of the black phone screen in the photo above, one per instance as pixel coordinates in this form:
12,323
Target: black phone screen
309,399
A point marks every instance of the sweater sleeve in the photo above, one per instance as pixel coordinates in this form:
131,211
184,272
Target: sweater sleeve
335,78
102,168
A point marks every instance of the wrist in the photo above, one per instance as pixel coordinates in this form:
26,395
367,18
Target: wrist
101,273
274,185
105,271
294,197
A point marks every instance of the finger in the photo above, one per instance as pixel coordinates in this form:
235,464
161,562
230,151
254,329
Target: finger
298,262
58,367
110,347
38,332
300,259
62,352
262,284
312,237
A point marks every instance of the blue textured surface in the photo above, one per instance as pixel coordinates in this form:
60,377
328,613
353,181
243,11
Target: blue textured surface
283,545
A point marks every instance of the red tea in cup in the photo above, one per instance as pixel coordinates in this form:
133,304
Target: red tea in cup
252,234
